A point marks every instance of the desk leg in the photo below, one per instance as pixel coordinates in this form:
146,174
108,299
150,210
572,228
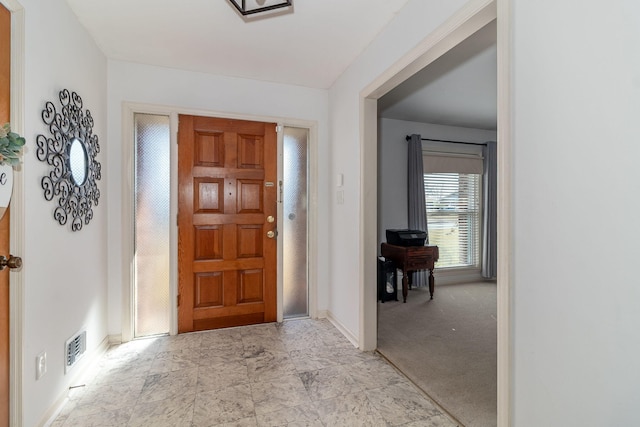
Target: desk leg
432,283
405,286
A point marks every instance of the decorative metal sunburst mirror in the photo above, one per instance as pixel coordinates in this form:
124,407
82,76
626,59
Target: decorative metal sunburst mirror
70,151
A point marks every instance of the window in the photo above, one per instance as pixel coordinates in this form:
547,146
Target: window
453,217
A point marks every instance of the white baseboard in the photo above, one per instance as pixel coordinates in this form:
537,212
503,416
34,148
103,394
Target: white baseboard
76,377
321,314
343,330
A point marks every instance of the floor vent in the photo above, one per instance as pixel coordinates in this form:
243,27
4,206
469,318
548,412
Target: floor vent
75,348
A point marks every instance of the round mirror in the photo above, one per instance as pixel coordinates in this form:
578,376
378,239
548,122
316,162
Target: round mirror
78,161
70,150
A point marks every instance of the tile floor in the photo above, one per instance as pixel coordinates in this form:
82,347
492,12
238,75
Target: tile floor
297,373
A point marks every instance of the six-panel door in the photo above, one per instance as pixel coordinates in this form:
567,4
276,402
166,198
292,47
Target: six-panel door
227,261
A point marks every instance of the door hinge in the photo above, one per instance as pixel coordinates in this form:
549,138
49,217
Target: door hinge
278,128
178,300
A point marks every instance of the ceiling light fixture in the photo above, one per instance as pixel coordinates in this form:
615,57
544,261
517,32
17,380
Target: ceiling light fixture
249,7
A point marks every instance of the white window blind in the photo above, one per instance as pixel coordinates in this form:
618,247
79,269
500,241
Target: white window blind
453,217
434,162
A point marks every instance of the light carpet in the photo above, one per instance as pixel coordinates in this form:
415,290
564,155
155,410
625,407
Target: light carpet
447,346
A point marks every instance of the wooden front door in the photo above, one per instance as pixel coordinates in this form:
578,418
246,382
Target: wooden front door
5,86
226,222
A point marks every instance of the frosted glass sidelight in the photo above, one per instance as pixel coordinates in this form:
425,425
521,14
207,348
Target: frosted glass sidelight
152,197
295,153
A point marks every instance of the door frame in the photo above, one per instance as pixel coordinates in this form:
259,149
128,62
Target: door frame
473,16
128,193
16,242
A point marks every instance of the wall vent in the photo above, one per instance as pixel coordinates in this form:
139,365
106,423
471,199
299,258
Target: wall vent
74,349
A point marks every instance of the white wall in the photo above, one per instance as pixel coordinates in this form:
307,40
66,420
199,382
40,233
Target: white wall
183,90
576,188
392,164
412,24
576,103
65,286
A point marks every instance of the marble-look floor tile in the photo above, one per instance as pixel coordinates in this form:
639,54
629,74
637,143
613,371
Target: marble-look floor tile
135,347
122,369
260,339
109,397
314,358
180,342
169,385
168,361
350,410
76,392
175,412
329,383
58,422
301,373
221,347
245,422
64,413
305,340
302,334
216,377
222,339
117,418
223,406
296,326
215,356
318,339
286,392
434,421
302,415
401,403
255,346
268,329
269,366
376,373
349,355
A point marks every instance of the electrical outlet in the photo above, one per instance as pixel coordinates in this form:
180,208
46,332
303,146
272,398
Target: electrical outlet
41,365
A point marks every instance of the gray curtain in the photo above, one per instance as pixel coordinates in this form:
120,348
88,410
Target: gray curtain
417,206
490,207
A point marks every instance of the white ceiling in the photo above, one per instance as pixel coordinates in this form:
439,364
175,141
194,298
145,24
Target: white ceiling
309,45
458,89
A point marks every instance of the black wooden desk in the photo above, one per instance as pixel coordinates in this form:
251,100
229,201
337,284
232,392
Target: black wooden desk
410,259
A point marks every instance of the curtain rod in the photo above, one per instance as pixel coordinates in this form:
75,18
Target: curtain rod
445,140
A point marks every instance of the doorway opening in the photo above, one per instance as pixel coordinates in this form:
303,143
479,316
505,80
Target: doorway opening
467,21
447,346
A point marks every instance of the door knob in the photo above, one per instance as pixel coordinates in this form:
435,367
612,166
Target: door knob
11,262
271,234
